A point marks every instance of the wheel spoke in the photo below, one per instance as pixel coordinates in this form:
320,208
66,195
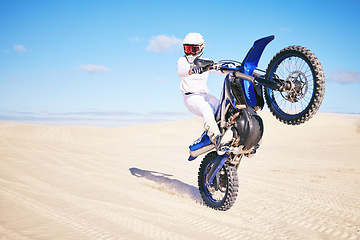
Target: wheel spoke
300,66
299,72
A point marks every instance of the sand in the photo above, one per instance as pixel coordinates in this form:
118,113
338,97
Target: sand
83,182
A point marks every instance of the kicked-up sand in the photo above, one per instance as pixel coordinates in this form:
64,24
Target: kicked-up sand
83,182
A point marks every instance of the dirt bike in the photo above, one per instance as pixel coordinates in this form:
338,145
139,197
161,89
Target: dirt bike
293,87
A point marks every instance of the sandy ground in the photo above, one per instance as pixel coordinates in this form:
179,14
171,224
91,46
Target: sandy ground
79,182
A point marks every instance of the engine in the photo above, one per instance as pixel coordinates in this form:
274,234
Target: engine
249,129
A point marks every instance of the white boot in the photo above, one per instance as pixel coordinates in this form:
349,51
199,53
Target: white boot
212,130
215,136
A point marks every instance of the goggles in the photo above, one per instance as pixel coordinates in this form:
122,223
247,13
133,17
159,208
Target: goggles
192,49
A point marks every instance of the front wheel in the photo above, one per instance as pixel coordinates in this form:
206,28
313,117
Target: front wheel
300,66
222,193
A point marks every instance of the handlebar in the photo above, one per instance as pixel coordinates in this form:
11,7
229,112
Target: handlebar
223,66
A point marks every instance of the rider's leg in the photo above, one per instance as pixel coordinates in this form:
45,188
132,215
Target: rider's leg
210,125
214,134
205,105
212,130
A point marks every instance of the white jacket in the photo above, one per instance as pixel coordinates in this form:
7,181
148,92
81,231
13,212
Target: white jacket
194,83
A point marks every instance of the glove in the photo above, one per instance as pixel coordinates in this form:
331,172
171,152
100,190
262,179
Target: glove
207,68
197,70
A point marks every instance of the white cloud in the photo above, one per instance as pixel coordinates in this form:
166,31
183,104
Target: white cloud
163,43
19,48
285,29
134,39
16,79
349,76
159,80
94,68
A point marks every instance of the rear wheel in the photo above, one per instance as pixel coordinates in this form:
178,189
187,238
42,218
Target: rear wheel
300,66
222,193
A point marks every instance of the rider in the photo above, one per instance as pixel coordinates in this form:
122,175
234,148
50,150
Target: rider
197,98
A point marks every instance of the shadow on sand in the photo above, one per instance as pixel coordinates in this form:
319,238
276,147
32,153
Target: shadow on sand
170,185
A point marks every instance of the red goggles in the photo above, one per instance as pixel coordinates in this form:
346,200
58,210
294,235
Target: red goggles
192,49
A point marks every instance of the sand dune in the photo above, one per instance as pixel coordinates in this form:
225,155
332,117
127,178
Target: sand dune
79,182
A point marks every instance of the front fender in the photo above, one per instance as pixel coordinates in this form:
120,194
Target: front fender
248,66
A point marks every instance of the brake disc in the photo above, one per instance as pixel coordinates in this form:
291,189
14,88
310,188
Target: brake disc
300,88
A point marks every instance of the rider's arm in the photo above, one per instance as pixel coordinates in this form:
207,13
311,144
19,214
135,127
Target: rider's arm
213,70
183,67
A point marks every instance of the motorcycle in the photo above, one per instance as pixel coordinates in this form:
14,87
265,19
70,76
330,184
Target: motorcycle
293,87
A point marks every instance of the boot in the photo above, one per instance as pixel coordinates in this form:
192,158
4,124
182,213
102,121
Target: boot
212,130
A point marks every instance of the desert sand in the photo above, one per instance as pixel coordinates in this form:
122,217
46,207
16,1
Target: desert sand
83,182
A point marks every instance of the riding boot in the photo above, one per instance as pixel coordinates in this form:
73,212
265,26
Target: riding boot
212,130
215,136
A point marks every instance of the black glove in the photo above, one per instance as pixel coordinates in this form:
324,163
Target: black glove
207,68
197,70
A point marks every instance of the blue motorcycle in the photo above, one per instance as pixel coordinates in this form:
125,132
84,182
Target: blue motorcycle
293,88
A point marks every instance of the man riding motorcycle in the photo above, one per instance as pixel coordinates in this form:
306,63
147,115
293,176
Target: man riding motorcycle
197,98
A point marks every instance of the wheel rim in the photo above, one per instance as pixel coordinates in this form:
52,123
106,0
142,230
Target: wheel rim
296,69
216,192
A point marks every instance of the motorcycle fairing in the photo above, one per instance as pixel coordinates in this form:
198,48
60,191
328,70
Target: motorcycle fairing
248,66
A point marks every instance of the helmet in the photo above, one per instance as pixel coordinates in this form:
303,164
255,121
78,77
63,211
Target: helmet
193,46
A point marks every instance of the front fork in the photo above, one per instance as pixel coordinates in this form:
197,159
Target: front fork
218,164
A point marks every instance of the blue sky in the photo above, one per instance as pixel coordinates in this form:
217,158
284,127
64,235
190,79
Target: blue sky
114,62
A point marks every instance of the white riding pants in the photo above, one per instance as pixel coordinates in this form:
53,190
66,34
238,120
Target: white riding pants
202,104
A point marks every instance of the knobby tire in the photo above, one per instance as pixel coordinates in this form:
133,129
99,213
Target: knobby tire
231,189
318,85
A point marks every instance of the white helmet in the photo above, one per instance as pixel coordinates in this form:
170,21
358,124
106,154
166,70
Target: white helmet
193,46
